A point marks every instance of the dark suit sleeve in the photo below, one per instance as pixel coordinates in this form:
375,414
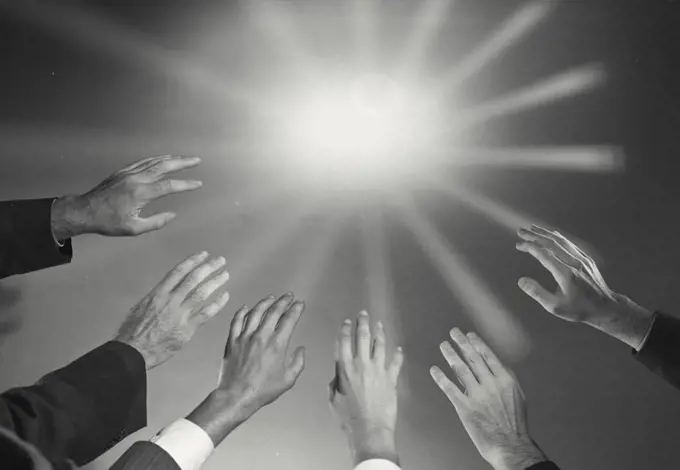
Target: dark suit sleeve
82,410
145,456
26,241
544,466
661,350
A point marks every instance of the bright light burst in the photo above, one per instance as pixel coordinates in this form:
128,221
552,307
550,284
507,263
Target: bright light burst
362,130
367,126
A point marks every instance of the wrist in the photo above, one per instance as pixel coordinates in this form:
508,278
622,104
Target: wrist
520,454
624,320
372,442
68,217
219,414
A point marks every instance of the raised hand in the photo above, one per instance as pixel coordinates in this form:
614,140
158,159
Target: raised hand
491,404
256,369
167,318
363,393
113,207
582,295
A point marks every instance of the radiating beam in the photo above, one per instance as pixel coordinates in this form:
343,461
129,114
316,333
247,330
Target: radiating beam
276,19
89,30
493,321
559,87
382,302
317,256
256,249
364,27
501,214
515,28
586,159
427,23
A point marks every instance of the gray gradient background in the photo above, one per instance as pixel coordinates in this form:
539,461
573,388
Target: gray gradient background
72,113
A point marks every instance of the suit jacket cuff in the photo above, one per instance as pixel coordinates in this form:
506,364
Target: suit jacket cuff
111,381
144,455
377,464
30,224
544,466
661,348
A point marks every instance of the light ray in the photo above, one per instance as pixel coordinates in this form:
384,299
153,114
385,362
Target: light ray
317,256
378,276
559,87
514,29
427,24
494,322
86,28
501,214
382,304
364,16
254,251
587,159
276,19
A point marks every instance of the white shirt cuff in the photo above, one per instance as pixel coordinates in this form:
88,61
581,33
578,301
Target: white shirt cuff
377,464
59,244
649,330
187,444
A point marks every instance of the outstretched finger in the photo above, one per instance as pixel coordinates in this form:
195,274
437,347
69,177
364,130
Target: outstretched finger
540,294
273,314
254,317
164,167
141,164
236,326
363,336
168,186
550,243
289,321
378,352
197,276
458,365
450,389
179,272
559,270
490,358
345,340
204,290
209,311
395,365
295,365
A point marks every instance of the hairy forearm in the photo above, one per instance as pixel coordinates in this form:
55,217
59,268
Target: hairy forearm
369,444
219,414
519,455
624,320
68,217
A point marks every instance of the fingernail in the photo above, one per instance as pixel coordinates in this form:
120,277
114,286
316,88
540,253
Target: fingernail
203,253
288,294
221,260
378,324
347,321
400,349
198,183
363,313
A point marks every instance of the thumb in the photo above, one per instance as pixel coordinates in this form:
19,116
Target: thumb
296,365
155,222
540,294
